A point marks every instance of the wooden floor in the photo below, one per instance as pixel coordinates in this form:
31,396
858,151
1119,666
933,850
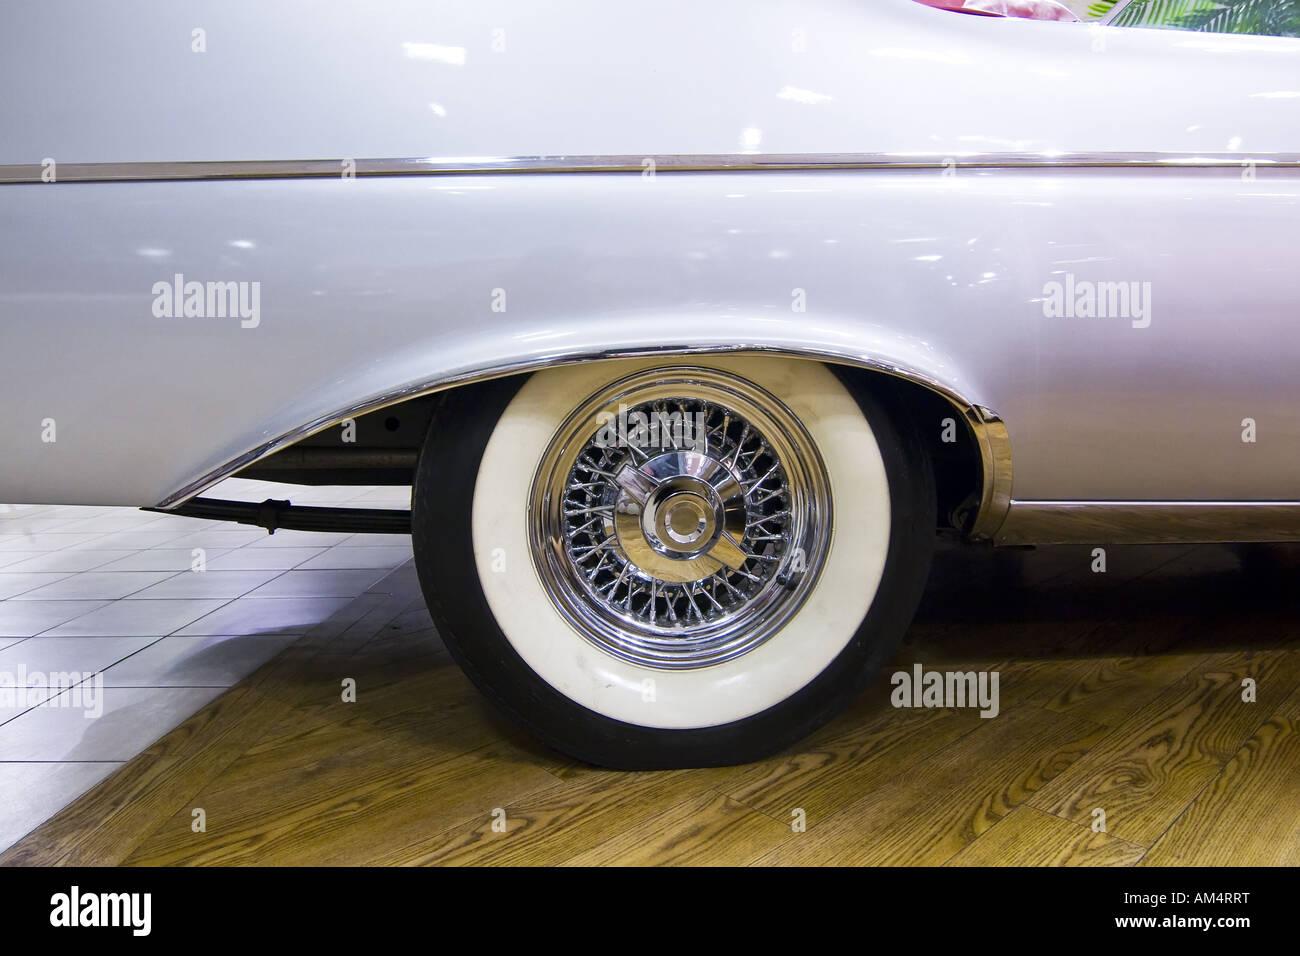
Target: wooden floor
1120,691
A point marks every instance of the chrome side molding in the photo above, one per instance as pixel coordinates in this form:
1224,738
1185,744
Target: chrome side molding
348,168
1148,522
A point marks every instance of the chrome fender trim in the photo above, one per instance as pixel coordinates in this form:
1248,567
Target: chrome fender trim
988,429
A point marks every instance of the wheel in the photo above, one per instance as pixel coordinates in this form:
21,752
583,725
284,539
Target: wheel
654,566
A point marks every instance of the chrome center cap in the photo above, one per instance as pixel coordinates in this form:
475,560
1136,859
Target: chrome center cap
680,516
685,521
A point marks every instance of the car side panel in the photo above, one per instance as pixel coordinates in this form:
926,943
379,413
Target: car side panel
372,285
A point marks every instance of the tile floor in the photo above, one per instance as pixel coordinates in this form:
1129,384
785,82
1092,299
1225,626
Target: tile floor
107,605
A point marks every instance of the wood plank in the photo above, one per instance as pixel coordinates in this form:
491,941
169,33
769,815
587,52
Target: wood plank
1107,690
557,824
1155,763
824,778
325,813
1249,811
924,816
1029,837
710,830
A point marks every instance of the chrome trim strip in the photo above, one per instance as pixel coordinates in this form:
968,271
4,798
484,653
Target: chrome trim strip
1149,522
719,162
989,431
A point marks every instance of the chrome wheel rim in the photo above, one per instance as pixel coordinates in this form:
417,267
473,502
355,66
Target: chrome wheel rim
680,517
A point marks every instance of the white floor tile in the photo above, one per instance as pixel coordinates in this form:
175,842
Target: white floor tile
51,541
38,525
29,618
133,617
181,523
121,519
130,540
301,539
30,668
96,586
31,793
208,584
197,661
87,654
162,559
266,616
131,719
378,541
220,535
344,556
73,560
319,583
263,559
20,582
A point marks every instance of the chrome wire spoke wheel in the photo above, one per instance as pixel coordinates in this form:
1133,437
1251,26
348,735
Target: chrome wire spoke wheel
680,517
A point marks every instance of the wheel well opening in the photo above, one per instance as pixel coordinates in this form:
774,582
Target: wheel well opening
381,447
945,435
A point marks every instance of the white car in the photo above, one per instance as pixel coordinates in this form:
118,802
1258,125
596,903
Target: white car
691,325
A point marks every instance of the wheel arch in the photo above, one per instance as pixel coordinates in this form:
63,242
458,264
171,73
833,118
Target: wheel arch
910,390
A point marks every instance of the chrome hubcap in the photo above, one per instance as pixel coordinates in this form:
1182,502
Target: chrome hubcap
680,517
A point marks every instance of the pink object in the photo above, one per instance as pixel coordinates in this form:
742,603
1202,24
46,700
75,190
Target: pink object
1025,9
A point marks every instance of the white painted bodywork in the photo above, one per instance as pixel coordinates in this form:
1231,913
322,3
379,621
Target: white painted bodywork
370,286
302,79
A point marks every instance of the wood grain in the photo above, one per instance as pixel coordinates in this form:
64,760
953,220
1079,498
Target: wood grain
557,824
710,830
925,815
1030,837
1247,812
1157,760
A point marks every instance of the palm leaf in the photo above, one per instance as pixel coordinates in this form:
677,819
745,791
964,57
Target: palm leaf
1258,17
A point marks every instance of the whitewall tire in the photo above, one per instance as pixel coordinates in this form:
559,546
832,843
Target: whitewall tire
702,591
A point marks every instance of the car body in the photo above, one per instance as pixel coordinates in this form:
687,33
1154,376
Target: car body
385,290
418,196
